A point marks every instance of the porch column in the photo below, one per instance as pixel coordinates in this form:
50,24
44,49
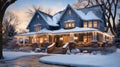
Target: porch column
94,35
35,39
103,37
23,40
72,37
52,38
47,37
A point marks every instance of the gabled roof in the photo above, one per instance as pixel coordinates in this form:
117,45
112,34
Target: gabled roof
47,18
84,13
89,13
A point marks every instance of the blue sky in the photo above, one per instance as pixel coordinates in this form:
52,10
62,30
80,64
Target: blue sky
20,8
52,4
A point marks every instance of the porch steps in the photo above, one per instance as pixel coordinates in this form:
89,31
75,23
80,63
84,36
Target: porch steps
57,50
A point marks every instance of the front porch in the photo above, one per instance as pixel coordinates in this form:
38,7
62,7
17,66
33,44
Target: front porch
60,39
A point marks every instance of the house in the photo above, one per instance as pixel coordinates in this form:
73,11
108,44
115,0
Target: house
78,25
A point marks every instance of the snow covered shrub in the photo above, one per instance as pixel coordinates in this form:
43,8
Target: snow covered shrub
13,44
44,46
34,45
25,49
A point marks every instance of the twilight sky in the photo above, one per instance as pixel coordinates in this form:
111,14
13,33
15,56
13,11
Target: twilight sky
20,8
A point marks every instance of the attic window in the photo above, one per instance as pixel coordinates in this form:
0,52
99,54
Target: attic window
85,24
38,16
95,24
37,27
90,24
69,12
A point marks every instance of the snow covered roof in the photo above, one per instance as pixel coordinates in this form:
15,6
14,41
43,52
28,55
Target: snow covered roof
44,31
69,21
26,34
48,19
60,31
76,29
89,16
94,13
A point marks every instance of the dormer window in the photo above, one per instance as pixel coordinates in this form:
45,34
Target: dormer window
69,24
85,24
38,16
69,12
90,24
95,24
37,27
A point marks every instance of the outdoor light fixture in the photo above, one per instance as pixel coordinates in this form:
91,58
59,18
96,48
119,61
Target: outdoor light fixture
75,38
61,38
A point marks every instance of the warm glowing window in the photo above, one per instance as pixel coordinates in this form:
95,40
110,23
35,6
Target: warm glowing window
90,24
73,24
87,38
37,27
69,12
95,23
85,24
69,24
41,40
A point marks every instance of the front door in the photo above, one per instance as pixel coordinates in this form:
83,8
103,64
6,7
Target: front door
66,39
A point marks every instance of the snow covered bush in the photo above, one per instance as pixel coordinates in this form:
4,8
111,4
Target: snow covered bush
12,45
25,49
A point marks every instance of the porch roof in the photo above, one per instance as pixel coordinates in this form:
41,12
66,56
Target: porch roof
27,34
60,31
76,29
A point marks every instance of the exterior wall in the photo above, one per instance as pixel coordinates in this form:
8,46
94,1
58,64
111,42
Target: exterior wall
72,16
36,20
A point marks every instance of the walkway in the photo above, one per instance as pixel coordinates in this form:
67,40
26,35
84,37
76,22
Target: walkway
30,61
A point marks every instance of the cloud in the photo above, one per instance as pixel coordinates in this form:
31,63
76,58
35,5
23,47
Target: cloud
23,19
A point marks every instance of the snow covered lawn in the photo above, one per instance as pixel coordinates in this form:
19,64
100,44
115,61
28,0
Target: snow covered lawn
9,55
85,60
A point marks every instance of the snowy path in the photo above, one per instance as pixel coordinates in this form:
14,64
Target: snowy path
85,60
10,55
28,61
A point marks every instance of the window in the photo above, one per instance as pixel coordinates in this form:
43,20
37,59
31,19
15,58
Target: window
95,24
90,24
87,38
85,24
69,24
37,27
73,24
26,41
69,12
21,40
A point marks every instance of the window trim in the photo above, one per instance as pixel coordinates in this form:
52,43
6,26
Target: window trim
37,27
94,24
69,25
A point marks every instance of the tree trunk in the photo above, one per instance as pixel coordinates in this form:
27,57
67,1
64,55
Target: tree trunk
1,44
3,6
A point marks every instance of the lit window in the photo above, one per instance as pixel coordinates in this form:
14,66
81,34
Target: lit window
95,23
41,40
69,25
87,38
85,24
21,40
69,12
90,24
37,27
73,25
